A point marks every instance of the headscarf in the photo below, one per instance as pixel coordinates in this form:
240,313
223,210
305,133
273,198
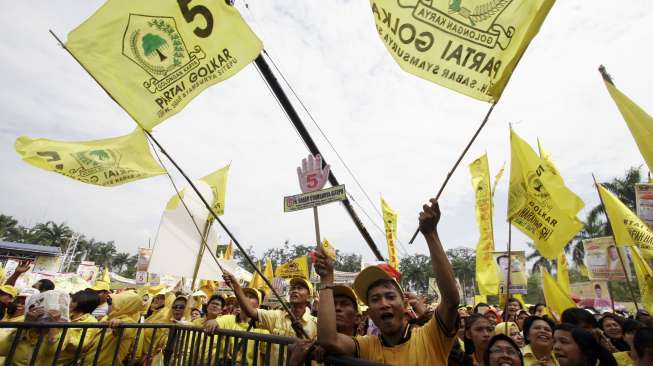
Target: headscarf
504,328
186,309
126,306
55,299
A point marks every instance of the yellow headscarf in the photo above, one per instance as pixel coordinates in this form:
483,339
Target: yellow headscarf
504,328
126,306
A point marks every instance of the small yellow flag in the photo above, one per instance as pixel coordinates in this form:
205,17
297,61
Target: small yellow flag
497,178
638,121
628,229
217,181
557,300
155,56
487,277
563,272
328,249
537,197
574,204
269,273
106,162
390,222
645,278
257,281
229,252
208,287
469,46
297,267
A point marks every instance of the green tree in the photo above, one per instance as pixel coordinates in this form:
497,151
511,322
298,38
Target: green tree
463,261
415,272
534,287
348,262
539,260
54,234
151,43
7,225
119,261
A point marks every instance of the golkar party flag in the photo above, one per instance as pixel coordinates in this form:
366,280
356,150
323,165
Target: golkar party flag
470,46
106,162
155,56
390,223
538,201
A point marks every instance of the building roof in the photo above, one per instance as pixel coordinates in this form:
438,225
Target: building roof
30,248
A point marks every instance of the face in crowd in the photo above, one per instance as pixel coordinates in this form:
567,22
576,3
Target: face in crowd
386,306
157,302
611,327
540,335
214,308
480,332
178,308
346,315
502,353
194,314
521,317
5,298
513,308
299,293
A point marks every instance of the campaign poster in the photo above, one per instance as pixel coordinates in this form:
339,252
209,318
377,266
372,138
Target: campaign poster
644,202
87,271
517,266
602,259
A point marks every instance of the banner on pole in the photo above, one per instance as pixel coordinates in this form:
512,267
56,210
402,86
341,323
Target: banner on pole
314,199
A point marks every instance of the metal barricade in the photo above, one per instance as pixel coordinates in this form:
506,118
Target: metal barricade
41,343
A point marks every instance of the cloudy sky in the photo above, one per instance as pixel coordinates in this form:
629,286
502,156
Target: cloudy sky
398,133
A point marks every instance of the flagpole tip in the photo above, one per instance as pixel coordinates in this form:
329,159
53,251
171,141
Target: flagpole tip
605,75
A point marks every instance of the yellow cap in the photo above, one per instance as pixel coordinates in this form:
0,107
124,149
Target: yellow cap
342,290
367,277
303,282
9,290
100,286
255,292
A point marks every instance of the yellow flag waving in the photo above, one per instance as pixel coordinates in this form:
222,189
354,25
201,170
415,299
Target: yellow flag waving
257,281
644,278
106,162
487,277
390,222
628,229
563,272
556,298
638,121
497,178
268,273
229,252
536,197
297,267
217,181
470,46
154,56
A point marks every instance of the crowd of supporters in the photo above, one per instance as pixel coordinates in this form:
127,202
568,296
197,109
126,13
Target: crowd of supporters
374,319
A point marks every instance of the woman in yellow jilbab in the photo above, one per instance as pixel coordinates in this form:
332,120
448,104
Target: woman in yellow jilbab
160,307
125,307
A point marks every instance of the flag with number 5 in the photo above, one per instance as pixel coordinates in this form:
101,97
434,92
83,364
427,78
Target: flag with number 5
155,56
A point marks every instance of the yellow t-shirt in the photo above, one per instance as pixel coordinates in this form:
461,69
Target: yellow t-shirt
229,322
623,358
426,345
73,337
278,322
529,356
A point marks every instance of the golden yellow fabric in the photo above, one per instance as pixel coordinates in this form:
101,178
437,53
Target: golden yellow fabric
470,46
107,162
296,267
557,300
161,315
73,338
427,345
229,252
529,356
230,322
487,276
563,272
269,273
623,358
154,56
257,281
390,223
537,201
278,322
639,122
644,278
628,229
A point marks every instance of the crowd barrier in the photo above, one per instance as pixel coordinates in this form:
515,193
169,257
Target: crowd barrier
185,345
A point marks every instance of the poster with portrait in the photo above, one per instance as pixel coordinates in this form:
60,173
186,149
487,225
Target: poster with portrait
143,261
644,202
46,264
591,290
87,271
602,259
517,266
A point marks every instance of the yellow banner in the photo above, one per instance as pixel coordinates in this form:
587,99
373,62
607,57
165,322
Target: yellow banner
155,56
257,281
644,278
638,121
470,46
628,229
557,300
390,222
535,204
297,267
486,271
563,272
217,181
106,162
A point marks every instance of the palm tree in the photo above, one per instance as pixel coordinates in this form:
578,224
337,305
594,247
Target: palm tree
102,253
54,234
119,261
22,234
540,261
7,224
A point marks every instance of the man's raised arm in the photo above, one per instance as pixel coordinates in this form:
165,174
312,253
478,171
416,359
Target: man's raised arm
245,305
444,276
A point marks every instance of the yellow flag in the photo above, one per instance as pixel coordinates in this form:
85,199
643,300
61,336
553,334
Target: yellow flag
480,298
563,272
106,162
269,273
556,298
628,229
470,46
390,222
208,287
583,270
574,204
497,178
229,252
297,267
487,277
217,181
644,278
257,281
638,121
154,56
328,249
535,201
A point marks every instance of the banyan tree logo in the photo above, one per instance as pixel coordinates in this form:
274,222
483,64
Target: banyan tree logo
92,162
154,44
477,24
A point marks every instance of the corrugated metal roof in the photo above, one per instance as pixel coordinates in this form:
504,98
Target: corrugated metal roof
31,248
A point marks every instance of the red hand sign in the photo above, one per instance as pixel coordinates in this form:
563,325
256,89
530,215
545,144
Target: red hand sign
311,175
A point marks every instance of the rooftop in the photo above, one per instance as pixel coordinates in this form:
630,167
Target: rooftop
30,248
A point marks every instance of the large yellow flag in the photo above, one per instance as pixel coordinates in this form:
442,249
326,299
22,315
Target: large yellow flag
257,281
574,204
297,267
556,298
154,56
390,222
536,201
563,272
487,277
644,278
106,162
638,121
217,181
470,46
628,229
